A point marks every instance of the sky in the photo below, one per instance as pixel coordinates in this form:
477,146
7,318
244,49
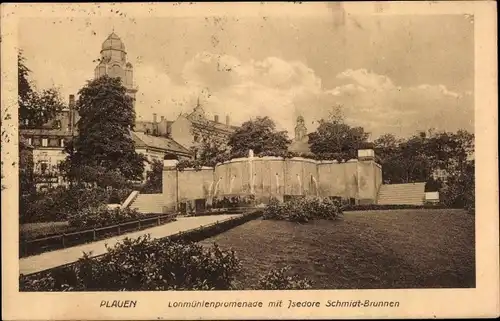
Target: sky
394,74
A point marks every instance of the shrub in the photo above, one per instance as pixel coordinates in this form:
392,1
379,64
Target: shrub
274,210
281,279
303,209
143,264
233,201
93,217
55,204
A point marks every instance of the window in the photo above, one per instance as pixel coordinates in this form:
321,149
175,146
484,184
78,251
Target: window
29,141
57,124
62,142
43,167
54,142
44,142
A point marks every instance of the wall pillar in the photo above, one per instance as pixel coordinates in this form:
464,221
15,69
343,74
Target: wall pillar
170,184
367,177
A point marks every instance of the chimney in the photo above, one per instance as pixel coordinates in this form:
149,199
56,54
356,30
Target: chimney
154,118
162,118
216,118
227,120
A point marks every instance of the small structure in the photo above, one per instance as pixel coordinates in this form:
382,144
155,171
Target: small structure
432,197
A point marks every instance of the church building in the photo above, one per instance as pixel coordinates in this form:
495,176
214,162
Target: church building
300,143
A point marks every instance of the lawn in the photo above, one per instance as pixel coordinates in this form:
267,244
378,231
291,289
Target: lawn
36,230
365,250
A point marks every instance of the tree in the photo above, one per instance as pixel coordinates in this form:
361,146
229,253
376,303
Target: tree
261,136
35,108
459,189
154,178
418,157
104,142
334,137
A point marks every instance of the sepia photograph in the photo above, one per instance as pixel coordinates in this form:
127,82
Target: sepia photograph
244,150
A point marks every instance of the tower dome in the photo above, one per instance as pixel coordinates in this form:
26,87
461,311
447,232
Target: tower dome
113,42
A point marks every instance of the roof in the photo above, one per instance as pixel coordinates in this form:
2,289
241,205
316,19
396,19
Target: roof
45,132
202,121
113,42
162,143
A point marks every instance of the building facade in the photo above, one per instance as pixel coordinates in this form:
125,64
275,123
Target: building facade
192,129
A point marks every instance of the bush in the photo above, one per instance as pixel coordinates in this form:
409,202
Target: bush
55,204
143,264
233,201
303,209
281,279
93,217
274,210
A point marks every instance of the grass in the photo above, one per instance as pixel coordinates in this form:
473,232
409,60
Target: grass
36,230
365,250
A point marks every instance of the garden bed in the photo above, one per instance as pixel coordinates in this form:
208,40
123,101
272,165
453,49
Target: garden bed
73,236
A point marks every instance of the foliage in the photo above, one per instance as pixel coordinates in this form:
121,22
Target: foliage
58,203
104,141
459,189
199,163
281,279
334,139
26,179
99,216
259,135
274,210
233,201
418,157
209,149
143,264
154,178
303,209
35,108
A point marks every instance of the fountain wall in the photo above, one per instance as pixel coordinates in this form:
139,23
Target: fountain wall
267,177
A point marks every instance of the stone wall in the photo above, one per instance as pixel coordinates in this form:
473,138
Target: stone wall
275,177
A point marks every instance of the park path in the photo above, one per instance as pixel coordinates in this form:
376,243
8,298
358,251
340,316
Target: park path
48,260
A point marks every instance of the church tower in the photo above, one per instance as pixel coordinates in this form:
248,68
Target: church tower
300,129
114,63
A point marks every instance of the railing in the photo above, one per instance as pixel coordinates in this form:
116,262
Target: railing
193,235
45,244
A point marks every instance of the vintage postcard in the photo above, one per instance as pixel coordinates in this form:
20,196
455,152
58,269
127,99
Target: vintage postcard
292,160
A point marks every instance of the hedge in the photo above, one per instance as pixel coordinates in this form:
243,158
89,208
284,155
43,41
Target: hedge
380,207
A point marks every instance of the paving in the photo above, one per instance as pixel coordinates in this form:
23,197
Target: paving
48,260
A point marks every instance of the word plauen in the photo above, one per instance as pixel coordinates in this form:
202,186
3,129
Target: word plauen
118,304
